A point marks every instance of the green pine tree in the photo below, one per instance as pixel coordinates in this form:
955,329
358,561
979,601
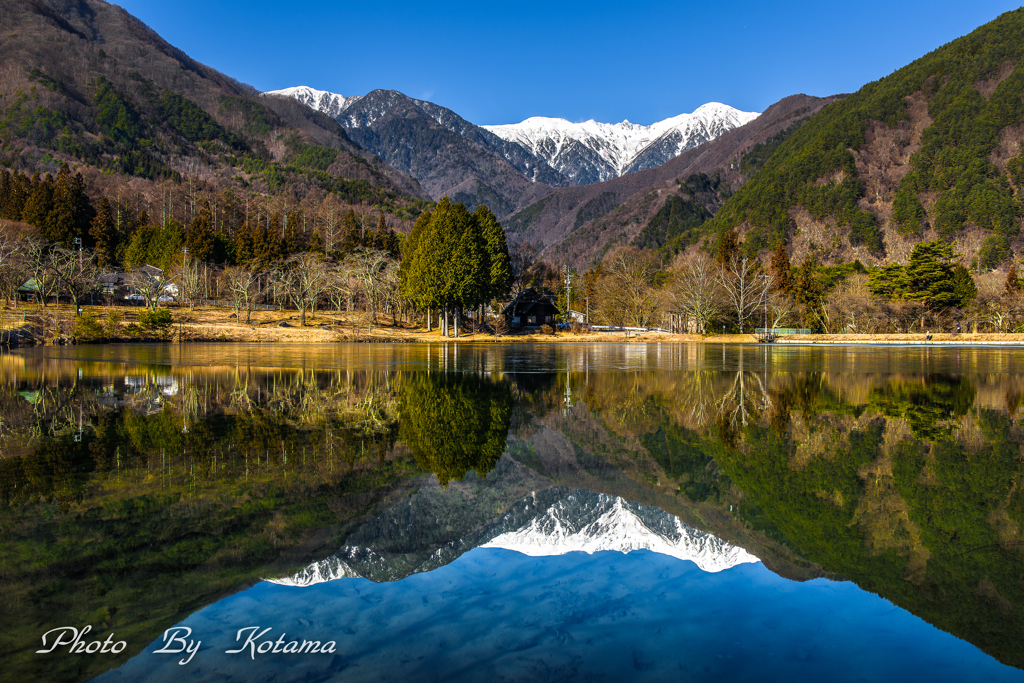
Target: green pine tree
38,206
782,269
929,275
104,235
964,287
199,238
728,246
500,266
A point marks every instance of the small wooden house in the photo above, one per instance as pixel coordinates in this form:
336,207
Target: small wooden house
531,309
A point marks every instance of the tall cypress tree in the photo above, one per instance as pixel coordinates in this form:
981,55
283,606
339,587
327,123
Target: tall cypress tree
782,269
5,195
728,246
408,284
500,263
38,207
104,235
72,212
199,239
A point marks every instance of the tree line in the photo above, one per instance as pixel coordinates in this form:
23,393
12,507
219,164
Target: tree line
458,265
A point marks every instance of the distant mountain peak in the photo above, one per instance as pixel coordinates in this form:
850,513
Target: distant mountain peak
591,151
329,103
563,151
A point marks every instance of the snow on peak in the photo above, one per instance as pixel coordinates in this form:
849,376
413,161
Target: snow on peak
620,528
577,521
617,145
319,572
329,103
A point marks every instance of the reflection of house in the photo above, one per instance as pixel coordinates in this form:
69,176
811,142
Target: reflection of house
530,309
134,384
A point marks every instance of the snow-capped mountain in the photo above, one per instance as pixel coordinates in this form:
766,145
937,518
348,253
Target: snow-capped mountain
329,103
403,132
612,523
553,522
445,153
591,152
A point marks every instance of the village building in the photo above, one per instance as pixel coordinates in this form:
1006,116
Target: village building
531,309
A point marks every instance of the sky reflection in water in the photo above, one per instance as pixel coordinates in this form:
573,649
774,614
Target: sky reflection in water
499,615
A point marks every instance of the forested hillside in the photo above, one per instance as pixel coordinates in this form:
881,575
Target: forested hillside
931,150
86,85
580,224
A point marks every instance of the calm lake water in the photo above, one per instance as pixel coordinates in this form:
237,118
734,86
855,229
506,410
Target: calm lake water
511,513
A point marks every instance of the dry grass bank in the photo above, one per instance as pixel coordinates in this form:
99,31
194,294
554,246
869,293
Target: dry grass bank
220,324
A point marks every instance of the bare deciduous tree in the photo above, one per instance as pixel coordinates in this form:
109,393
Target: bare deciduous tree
243,285
628,296
40,268
190,281
75,272
746,285
303,279
148,284
370,269
13,265
695,294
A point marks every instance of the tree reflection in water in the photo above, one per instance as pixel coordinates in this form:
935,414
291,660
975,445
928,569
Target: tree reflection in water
454,422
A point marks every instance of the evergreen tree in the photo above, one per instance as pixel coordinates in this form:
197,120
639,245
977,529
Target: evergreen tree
782,269
244,245
137,252
407,285
888,282
1011,288
166,249
728,246
39,205
21,189
807,290
964,287
454,259
72,212
293,239
351,233
500,266
199,238
385,238
104,235
5,195
929,275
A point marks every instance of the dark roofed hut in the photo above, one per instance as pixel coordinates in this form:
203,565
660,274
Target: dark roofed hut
531,309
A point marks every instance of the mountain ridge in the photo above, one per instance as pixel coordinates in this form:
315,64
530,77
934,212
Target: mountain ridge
506,167
88,83
577,224
621,148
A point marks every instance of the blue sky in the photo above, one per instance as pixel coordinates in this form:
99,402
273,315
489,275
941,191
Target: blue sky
502,62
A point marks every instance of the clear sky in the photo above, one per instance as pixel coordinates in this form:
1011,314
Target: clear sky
501,62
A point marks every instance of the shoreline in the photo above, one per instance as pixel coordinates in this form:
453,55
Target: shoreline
213,325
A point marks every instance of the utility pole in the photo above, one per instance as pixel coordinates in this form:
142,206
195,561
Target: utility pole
567,274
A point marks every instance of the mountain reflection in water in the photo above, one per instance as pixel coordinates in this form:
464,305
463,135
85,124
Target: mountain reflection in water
141,484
